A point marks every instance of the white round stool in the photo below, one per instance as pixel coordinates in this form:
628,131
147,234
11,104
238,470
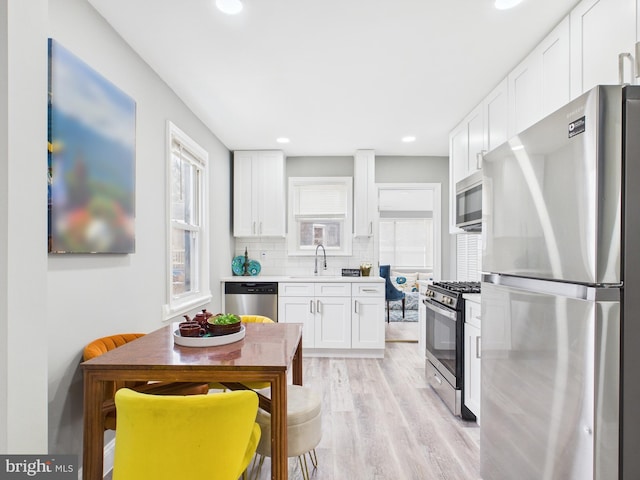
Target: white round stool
304,428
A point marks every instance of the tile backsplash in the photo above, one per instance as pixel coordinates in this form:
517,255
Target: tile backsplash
275,260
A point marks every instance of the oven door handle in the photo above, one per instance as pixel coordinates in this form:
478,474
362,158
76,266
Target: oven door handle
441,311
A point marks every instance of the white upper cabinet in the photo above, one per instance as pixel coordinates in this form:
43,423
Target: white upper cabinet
364,193
600,31
540,83
258,194
484,128
524,95
554,53
496,116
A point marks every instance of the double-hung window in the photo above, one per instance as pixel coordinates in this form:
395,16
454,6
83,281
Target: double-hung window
320,214
188,247
407,242
409,226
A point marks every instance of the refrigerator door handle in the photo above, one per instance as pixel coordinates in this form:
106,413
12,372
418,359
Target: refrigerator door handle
607,293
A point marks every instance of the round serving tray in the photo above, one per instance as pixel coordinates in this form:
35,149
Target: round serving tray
208,341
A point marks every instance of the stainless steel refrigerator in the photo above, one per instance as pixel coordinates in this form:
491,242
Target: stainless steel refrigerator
561,295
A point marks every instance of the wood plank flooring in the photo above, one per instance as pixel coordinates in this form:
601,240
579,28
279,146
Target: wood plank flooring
381,421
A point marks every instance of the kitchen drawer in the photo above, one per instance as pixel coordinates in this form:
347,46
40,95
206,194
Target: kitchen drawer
296,289
472,313
367,290
332,289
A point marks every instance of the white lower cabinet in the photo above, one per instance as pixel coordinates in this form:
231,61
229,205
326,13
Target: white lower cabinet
299,310
472,350
335,316
367,316
333,322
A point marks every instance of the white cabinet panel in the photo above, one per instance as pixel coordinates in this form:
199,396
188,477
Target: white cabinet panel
600,31
367,322
364,193
524,95
496,116
333,322
540,84
258,194
555,68
475,132
332,289
243,198
472,379
299,310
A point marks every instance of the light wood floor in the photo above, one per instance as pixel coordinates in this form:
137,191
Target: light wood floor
381,421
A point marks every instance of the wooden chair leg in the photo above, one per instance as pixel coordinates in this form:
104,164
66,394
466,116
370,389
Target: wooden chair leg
403,299
388,311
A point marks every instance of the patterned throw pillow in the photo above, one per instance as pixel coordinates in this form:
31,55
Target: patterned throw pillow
406,282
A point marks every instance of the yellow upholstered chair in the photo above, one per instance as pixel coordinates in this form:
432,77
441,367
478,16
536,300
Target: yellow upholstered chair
255,319
105,344
251,385
194,437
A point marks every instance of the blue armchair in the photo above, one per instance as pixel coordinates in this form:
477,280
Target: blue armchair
391,293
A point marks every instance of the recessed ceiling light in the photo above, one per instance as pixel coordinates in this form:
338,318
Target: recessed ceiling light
505,4
282,140
230,7
408,139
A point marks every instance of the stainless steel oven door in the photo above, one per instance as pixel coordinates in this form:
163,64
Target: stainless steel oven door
441,341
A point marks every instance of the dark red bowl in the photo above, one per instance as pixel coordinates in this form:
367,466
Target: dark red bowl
217,330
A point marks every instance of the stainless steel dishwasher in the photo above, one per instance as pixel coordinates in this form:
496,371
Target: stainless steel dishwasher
252,298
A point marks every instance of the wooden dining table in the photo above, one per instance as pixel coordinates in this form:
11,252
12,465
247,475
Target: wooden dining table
266,354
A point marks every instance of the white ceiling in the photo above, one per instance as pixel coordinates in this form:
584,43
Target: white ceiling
334,76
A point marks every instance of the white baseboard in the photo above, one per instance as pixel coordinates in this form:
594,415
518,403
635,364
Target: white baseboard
107,463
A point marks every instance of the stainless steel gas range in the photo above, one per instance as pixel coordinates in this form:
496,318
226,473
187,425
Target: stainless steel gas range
445,342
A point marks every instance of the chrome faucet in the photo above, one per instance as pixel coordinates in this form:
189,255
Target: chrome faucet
324,252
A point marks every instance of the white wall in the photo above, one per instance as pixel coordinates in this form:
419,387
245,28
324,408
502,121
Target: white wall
62,302
23,227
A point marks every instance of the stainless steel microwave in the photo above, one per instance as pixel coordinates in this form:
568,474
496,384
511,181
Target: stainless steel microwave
469,203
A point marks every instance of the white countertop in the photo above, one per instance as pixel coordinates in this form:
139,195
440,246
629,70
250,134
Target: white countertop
302,279
472,297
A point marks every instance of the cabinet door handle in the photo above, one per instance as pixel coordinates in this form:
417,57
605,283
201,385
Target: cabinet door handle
437,379
371,224
318,306
621,58
260,229
479,158
355,306
478,346
253,229
370,290
311,306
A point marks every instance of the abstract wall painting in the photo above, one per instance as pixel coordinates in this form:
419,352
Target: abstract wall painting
92,126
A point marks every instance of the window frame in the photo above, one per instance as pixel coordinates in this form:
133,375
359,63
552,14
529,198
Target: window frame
346,219
201,293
